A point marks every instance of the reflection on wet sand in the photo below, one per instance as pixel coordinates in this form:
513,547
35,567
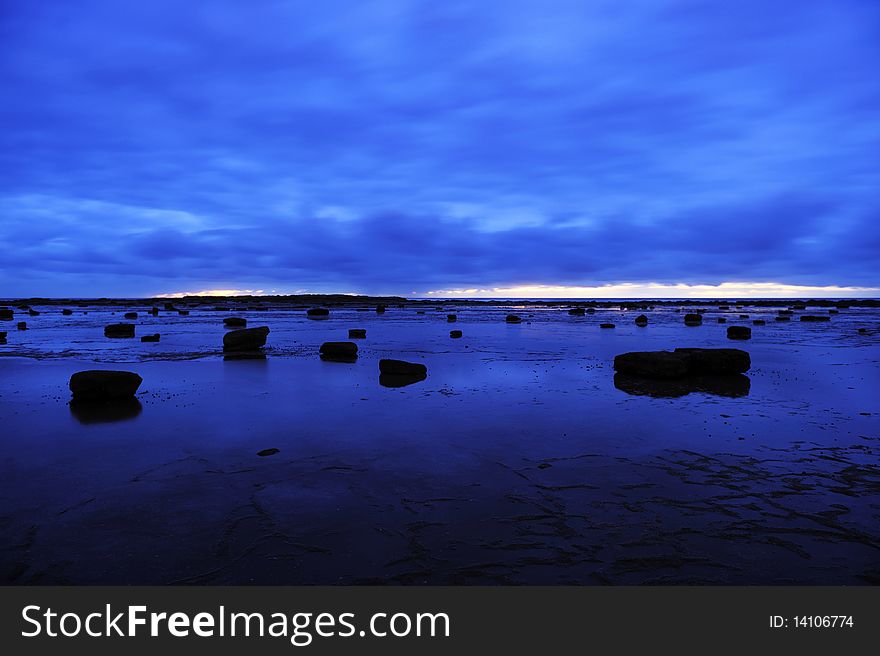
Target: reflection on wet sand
101,412
400,380
731,386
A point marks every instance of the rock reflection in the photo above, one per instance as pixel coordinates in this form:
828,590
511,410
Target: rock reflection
102,412
731,386
400,380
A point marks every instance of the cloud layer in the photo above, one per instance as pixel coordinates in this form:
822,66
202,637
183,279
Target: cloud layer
399,147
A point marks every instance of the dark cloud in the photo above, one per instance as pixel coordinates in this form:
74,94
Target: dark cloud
400,146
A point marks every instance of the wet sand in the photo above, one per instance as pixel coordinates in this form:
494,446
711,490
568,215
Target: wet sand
517,460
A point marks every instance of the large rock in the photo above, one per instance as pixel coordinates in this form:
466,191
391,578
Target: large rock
739,332
246,339
682,362
716,360
652,364
339,351
100,385
119,330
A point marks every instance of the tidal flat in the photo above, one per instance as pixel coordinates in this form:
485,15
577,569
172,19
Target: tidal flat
521,458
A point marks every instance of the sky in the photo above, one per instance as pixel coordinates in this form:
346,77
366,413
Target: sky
423,148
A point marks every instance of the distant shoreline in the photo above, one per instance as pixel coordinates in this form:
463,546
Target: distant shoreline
298,301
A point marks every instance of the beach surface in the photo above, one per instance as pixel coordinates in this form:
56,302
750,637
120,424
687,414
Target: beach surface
520,459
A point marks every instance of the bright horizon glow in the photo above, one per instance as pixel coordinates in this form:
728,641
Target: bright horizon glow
658,290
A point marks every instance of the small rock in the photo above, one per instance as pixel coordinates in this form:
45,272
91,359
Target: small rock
812,317
235,322
380,309
357,333
782,317
641,320
130,315
268,452
722,320
151,338
759,322
33,313
451,318
318,313
21,325
455,334
339,351
6,313
512,318
66,312
119,330
183,313
692,319
606,325
577,312
739,332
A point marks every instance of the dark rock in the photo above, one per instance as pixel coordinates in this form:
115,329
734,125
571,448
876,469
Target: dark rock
245,339
119,330
183,313
170,307
6,313
21,325
357,333
743,316
652,364
682,362
420,311
66,312
94,385
130,315
812,317
606,325
782,317
759,322
455,334
33,313
641,320
591,310
155,311
380,309
2,337
577,312
318,313
451,318
833,311
723,307
716,360
339,351
799,307
722,320
512,318
268,452
235,322
739,332
402,368
691,319
151,338
784,312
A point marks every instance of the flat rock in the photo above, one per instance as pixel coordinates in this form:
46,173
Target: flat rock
402,368
357,333
682,362
235,322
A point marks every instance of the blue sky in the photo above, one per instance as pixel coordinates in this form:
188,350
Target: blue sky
416,147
